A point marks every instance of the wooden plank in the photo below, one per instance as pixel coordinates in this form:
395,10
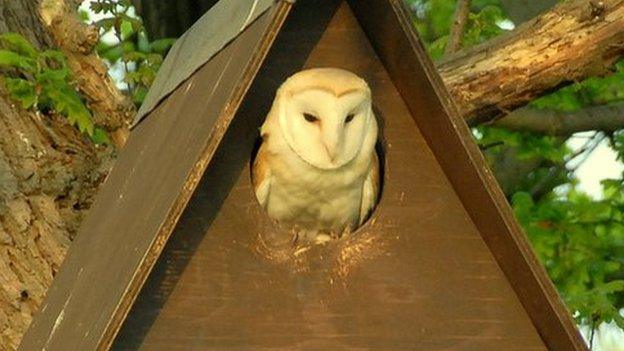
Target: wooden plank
418,276
451,141
139,204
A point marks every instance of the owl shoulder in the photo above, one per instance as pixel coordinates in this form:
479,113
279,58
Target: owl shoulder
261,174
370,190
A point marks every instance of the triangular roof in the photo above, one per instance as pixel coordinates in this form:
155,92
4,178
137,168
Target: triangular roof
442,263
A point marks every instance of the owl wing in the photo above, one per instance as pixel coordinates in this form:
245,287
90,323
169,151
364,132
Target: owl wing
370,190
261,175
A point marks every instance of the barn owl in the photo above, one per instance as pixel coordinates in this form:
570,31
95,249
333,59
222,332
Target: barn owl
317,169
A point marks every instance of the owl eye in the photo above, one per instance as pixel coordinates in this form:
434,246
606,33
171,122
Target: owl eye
349,118
310,117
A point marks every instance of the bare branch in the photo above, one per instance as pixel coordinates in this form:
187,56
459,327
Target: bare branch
549,181
574,40
459,25
510,169
606,118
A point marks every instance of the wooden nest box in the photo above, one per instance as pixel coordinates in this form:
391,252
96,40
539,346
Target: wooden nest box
176,253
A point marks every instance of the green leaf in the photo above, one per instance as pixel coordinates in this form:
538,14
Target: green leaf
612,190
15,60
84,15
18,44
100,137
161,46
154,60
436,49
42,80
106,23
67,102
22,91
125,3
139,95
611,287
126,30
102,6
619,66
143,43
55,79
135,23
134,56
116,52
56,56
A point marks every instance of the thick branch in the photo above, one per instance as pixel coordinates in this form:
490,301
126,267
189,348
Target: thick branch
605,118
459,24
576,39
110,107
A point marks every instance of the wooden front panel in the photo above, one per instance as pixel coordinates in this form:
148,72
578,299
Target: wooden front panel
417,276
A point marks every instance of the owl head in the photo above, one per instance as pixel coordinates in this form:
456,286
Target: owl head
325,115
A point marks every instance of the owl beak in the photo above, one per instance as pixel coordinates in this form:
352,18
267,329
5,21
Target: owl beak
331,152
331,141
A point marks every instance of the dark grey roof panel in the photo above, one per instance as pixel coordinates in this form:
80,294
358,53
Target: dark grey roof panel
219,26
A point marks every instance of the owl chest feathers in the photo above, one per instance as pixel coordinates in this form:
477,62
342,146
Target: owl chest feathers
313,198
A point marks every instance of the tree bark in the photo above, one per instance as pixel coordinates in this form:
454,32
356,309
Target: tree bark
576,39
48,176
21,16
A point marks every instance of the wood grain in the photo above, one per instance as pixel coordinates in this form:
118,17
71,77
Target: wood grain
460,158
417,276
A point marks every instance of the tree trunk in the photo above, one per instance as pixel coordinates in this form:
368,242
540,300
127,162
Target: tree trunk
20,16
49,173
576,39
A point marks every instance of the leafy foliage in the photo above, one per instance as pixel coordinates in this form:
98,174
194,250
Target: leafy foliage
40,80
140,57
591,91
579,239
433,20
